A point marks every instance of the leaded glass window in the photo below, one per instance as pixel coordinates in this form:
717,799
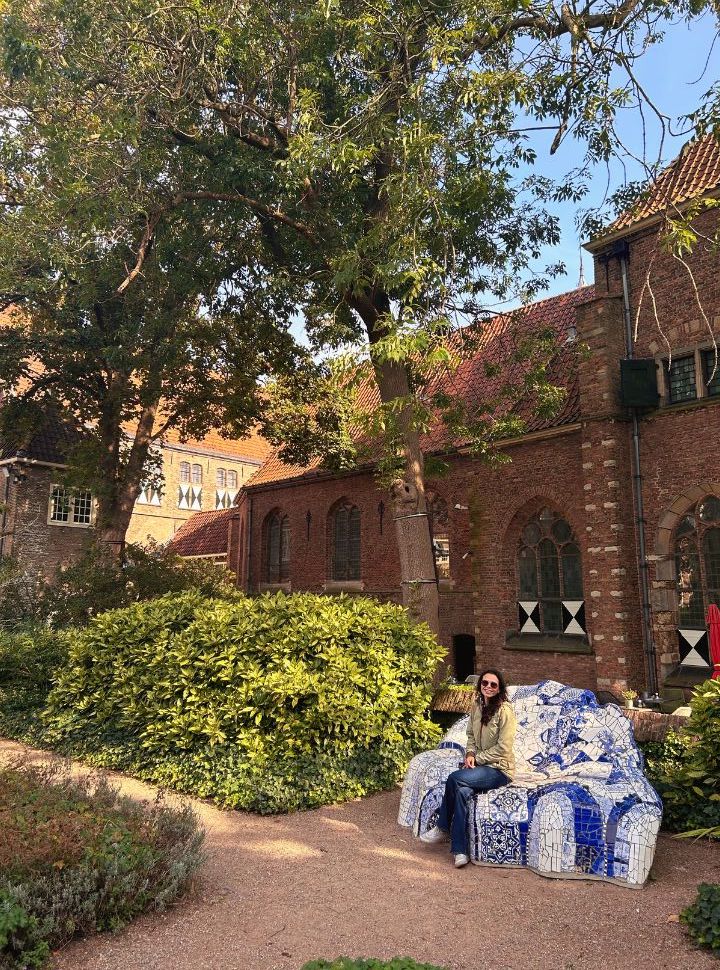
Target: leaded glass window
711,372
549,568
277,558
681,379
697,563
346,543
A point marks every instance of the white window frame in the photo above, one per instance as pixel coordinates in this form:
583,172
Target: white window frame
71,523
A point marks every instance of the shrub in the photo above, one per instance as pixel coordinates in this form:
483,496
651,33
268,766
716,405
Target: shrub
29,658
273,703
345,963
702,918
98,582
76,858
690,785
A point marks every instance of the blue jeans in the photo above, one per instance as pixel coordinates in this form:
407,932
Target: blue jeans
459,788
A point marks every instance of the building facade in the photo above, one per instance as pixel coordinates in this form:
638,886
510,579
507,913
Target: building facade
44,524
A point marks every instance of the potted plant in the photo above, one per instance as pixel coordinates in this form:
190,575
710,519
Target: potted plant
630,696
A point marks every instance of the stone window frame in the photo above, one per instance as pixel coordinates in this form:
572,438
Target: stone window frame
196,473
439,521
72,494
512,531
184,473
665,595
221,478
697,351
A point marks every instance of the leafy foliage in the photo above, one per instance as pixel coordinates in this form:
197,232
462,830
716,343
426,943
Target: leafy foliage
29,658
702,918
345,963
77,858
270,704
690,783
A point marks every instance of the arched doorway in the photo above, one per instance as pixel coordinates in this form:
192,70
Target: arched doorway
463,656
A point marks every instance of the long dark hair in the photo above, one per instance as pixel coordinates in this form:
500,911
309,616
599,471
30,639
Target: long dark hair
491,707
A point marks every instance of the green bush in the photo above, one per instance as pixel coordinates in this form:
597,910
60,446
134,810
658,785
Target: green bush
270,704
76,858
662,757
690,784
702,918
97,582
29,659
345,963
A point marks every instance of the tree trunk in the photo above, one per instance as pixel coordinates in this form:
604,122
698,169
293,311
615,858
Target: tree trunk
412,525
115,509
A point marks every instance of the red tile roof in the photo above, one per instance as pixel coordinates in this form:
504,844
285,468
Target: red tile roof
477,384
204,534
694,172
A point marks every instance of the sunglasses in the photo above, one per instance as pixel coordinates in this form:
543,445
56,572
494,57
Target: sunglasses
489,683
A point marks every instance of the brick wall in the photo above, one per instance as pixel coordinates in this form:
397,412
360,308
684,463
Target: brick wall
679,462
28,536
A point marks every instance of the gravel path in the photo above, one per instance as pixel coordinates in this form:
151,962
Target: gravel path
346,880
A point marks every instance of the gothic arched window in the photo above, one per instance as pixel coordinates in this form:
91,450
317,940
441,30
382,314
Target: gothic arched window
697,562
550,576
346,542
277,549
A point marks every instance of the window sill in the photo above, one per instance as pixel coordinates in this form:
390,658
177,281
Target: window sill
545,643
344,586
71,525
275,587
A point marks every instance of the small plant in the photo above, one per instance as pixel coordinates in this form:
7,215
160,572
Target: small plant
690,784
702,917
77,858
630,696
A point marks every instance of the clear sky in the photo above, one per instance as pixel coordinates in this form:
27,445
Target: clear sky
675,75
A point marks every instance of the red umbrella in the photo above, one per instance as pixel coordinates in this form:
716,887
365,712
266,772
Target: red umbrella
713,624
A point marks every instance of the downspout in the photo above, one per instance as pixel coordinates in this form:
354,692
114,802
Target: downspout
622,251
6,499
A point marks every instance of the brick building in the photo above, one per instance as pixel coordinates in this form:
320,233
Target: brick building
43,524
590,557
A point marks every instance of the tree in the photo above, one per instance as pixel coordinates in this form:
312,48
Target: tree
369,151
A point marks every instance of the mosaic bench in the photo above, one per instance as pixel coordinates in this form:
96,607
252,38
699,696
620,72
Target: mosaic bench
579,805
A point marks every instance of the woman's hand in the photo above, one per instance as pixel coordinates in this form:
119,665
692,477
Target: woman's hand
469,761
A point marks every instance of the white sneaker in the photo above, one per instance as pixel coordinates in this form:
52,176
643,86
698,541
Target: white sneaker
461,860
434,835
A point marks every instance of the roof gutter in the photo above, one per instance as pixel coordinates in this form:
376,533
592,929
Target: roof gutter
599,243
32,461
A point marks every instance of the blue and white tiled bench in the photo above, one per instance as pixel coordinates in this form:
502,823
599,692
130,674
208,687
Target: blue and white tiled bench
579,806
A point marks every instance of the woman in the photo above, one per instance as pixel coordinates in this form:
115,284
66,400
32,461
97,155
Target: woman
489,762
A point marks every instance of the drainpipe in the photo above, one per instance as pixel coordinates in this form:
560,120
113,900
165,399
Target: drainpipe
622,251
6,499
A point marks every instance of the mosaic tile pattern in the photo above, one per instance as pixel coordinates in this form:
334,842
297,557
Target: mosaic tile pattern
579,805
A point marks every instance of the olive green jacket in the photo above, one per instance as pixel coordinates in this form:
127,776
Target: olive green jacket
492,743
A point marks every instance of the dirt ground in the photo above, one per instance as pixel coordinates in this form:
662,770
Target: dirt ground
346,880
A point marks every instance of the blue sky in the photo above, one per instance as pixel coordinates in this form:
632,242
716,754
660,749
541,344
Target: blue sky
671,74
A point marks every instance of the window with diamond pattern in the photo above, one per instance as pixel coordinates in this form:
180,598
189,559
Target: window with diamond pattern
549,568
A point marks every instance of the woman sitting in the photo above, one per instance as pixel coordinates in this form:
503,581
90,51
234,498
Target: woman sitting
489,763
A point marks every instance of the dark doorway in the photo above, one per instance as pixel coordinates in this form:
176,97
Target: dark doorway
464,655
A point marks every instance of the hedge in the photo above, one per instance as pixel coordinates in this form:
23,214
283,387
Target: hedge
270,704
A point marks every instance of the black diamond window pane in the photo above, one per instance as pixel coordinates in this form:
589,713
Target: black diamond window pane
572,574
681,379
549,569
710,364
552,617
528,575
562,531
